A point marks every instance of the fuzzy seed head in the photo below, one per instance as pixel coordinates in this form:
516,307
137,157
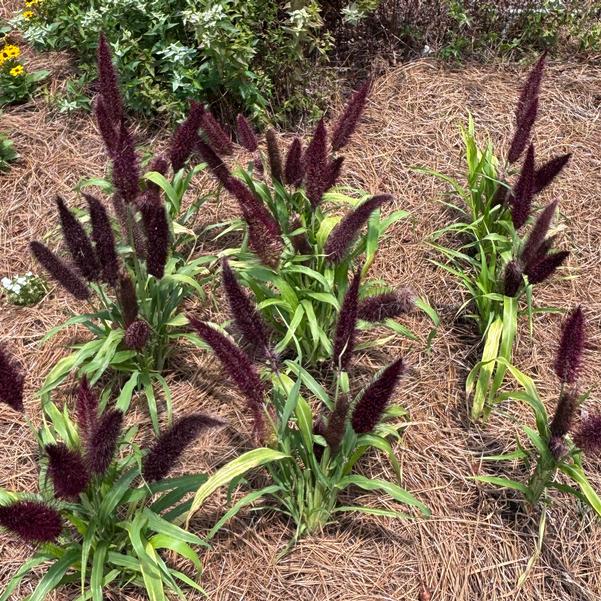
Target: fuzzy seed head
12,381
347,124
185,138
346,232
137,335
217,136
588,435
294,170
344,337
387,305
368,410
568,359
32,521
246,134
172,443
67,471
60,271
102,442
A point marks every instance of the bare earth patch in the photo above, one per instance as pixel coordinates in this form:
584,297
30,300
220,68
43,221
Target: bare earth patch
478,541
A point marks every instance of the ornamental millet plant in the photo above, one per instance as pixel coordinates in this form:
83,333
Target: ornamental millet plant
132,264
298,253
106,509
498,265
309,445
558,443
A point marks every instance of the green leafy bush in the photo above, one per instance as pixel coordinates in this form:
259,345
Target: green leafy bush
105,511
495,264
250,55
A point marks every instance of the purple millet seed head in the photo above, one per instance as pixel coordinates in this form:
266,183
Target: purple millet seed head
60,271
32,521
78,243
588,435
102,442
346,232
172,443
246,134
568,359
12,381
67,471
137,335
370,407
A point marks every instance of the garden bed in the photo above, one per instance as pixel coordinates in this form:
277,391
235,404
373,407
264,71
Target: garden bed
475,545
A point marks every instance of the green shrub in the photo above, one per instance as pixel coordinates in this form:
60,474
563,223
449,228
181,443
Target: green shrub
240,55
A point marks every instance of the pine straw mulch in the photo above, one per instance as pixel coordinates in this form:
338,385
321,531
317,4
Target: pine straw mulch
478,541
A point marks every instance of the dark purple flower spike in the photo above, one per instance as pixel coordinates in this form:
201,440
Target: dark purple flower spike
86,408
344,337
369,408
78,243
347,230
126,170
216,135
541,270
215,164
536,239
386,305
275,158
347,124
104,240
67,471
60,271
172,443
108,82
32,521
315,164
523,192
137,335
568,359
102,441
293,170
546,173
126,295
526,111
185,138
238,366
246,317
12,381
588,435
246,134
564,413
334,431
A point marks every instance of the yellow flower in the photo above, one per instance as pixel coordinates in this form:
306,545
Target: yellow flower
31,2
17,71
10,51
27,14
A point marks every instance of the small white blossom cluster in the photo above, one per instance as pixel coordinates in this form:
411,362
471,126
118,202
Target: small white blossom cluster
205,23
27,289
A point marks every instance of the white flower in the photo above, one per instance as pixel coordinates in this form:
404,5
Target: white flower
7,283
22,280
16,288
29,274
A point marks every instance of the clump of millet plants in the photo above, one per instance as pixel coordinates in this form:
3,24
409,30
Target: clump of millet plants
298,253
106,512
557,445
498,264
309,436
132,265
